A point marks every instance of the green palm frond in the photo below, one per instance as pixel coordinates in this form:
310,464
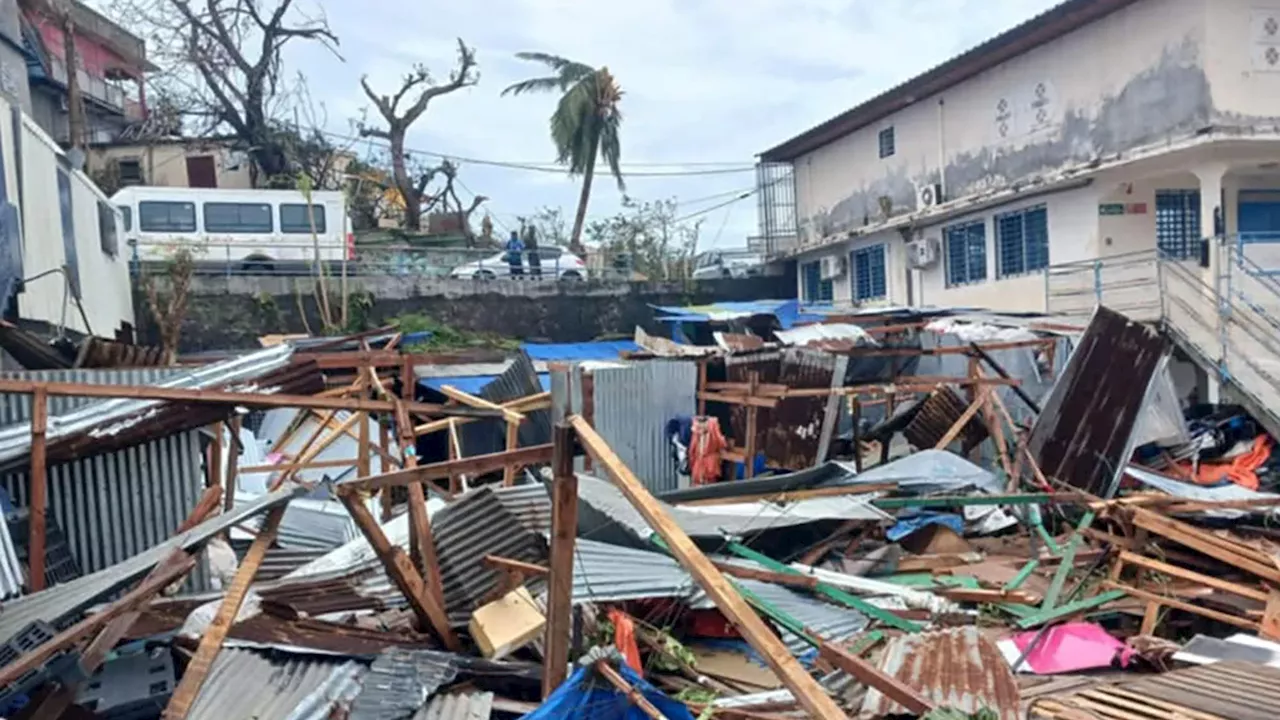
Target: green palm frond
542,84
567,72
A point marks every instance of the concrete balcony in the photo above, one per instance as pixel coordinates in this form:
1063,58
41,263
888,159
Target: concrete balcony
95,89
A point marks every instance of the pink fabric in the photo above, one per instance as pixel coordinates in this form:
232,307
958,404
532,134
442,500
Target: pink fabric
1072,647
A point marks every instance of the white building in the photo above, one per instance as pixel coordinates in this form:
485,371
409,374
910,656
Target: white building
1098,128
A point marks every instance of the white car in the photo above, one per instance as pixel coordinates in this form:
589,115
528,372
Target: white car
555,262
722,264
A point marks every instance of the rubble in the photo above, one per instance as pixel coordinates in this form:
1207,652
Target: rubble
931,514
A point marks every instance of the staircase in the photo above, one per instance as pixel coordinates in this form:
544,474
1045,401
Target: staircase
1228,324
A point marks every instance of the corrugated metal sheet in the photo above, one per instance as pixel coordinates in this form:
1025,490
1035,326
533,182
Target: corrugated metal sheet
122,413
789,434
17,408
935,416
56,604
458,706
829,621
632,406
400,681
959,669
276,686
471,527
114,506
612,573
519,380
530,504
1085,432
1234,690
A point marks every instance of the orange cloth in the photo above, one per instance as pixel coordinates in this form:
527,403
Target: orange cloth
705,444
1241,470
624,637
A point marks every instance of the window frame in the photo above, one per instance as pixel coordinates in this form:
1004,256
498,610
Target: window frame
822,287
963,232
321,218
1178,231
1021,215
108,229
139,179
142,225
241,230
126,216
887,142
855,277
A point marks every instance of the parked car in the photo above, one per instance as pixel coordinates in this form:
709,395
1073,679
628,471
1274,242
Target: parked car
555,263
726,264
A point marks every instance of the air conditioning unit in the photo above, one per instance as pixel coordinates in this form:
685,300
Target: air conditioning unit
928,195
832,267
923,253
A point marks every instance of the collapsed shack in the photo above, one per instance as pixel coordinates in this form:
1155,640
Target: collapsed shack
944,514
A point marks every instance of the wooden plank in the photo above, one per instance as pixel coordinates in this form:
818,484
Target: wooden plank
807,582
504,564
753,427
184,696
384,467
145,591
422,544
364,461
38,508
233,463
1150,617
475,465
635,697
1252,593
1270,625
513,444
871,676
294,466
958,426
1184,606
1200,541
402,573
529,403
564,531
215,457
805,689
223,397
470,400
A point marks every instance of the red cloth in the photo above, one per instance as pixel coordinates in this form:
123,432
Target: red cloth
624,637
705,445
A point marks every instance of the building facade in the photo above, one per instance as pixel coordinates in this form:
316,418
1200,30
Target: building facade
170,162
1098,128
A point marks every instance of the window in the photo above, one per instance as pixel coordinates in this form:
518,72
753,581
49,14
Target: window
237,218
69,248
868,273
108,235
966,253
813,287
1178,222
887,145
126,214
130,171
293,218
1022,241
157,216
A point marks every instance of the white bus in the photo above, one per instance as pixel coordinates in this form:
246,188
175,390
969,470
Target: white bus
246,229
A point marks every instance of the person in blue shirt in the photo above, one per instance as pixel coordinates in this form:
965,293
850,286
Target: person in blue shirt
515,249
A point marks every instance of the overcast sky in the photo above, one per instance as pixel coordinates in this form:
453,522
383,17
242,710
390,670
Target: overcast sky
705,81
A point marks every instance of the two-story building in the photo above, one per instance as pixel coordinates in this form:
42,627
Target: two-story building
1097,128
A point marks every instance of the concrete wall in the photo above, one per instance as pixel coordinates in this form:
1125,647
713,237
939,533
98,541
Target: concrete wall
14,86
234,312
1132,79
166,165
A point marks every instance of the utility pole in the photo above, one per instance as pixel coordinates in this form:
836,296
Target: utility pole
75,103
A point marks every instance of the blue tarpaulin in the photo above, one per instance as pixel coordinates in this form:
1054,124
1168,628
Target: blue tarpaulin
473,384
563,352
587,697
908,524
788,312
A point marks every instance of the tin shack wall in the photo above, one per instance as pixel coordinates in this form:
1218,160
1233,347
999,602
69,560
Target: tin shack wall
632,407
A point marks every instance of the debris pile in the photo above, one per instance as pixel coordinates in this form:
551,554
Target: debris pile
773,514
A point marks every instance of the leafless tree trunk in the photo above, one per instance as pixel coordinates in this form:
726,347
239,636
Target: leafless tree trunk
398,124
167,298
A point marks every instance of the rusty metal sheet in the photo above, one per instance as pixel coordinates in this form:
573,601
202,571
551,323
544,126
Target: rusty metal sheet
96,352
1221,691
1084,434
959,669
789,434
323,636
935,417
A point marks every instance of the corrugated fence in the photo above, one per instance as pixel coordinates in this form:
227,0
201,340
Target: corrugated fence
113,506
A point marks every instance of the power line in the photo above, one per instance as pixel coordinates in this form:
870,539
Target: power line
717,206
546,168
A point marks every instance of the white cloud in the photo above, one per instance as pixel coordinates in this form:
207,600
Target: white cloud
705,80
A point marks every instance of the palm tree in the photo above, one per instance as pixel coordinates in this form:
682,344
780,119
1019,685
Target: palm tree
584,125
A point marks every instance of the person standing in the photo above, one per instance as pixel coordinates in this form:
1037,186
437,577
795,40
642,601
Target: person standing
531,245
515,249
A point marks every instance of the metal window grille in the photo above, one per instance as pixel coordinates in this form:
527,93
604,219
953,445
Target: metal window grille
1178,222
966,253
888,145
1022,241
869,273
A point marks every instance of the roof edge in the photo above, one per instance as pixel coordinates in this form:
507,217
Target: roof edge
1050,25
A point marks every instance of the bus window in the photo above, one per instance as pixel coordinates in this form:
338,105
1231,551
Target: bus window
293,218
157,216
126,214
237,218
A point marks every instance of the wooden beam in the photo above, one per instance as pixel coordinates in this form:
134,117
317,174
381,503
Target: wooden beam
807,582
1177,604
312,465
1203,542
422,544
564,531
384,467
620,683
497,562
979,401
871,676
38,508
795,495
184,696
402,573
470,400
215,457
37,656
364,463
529,403
513,444
475,465
232,480
223,397
727,599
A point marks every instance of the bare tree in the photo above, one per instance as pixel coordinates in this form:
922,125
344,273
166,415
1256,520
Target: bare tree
167,297
398,121
222,57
